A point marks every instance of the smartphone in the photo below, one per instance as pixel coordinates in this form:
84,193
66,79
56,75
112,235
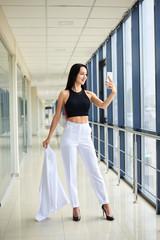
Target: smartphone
110,74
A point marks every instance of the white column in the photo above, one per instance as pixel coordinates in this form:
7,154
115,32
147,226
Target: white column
42,113
34,104
14,118
38,109
24,113
29,112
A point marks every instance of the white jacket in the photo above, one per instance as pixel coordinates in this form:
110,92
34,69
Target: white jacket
52,195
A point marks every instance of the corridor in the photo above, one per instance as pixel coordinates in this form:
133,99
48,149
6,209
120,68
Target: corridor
17,215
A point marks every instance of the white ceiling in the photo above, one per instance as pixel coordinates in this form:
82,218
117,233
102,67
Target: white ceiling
54,34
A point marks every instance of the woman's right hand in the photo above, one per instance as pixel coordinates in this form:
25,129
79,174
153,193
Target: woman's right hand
46,142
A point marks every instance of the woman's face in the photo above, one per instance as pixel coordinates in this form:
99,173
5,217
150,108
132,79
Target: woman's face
82,76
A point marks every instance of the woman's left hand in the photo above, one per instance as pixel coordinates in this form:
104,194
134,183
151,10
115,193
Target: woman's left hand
110,85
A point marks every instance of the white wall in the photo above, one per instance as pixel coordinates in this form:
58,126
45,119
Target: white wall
8,39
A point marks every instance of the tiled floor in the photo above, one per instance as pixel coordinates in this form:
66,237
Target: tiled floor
17,215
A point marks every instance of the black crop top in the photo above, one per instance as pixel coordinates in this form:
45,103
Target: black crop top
77,104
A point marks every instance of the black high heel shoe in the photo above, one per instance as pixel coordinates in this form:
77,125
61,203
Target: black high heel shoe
77,218
109,218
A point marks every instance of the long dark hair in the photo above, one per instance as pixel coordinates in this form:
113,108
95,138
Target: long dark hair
73,74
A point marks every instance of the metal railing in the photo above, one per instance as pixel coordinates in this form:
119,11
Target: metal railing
134,156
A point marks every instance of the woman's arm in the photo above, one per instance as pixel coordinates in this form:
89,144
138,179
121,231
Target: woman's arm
98,102
56,118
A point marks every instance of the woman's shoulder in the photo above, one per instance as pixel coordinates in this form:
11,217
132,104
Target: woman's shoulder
64,92
89,92
91,95
64,95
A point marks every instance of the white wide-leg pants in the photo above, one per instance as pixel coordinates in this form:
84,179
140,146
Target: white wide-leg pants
78,137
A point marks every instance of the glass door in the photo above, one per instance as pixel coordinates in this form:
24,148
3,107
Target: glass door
5,158
22,112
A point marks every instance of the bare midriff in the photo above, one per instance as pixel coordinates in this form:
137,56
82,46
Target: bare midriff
79,119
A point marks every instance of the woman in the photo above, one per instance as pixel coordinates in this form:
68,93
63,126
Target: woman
77,136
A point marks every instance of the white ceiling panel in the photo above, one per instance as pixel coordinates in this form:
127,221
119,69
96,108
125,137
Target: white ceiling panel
88,44
34,59
60,50
48,77
59,54
24,12
50,91
67,70
107,12
61,44
73,61
56,67
38,66
22,2
34,50
54,34
36,62
84,50
96,31
49,82
29,31
58,58
62,39
38,69
71,2
57,63
101,23
41,69
56,70
61,23
32,44
49,95
31,38
81,55
64,31
35,65
34,54
27,22
114,3
68,12
92,38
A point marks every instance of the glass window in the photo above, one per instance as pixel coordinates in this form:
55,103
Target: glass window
26,86
128,158
20,113
148,108
97,79
148,172
115,149
147,47
104,79
115,100
92,105
5,158
128,118
114,70
127,62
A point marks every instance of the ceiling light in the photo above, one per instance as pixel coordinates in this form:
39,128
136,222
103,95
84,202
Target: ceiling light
65,23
